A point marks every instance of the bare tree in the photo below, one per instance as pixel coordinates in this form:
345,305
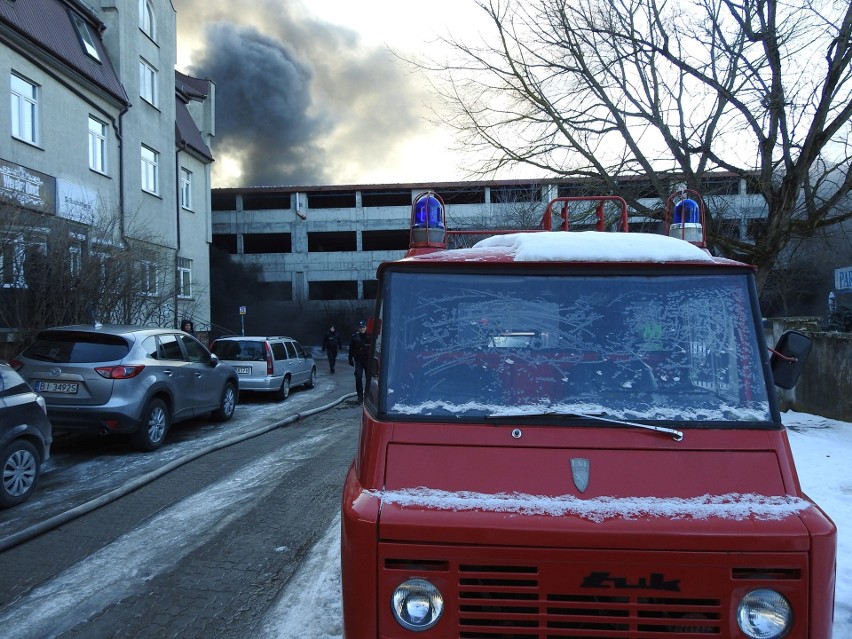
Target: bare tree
518,207
670,90
57,271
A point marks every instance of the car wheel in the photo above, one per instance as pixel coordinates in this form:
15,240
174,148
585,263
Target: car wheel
227,405
284,392
21,466
312,381
155,424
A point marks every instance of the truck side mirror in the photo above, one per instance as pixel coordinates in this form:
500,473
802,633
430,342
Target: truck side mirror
789,357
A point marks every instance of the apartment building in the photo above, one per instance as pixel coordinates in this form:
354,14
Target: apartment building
104,147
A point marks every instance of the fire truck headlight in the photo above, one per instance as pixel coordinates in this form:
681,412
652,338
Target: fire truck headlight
764,614
417,605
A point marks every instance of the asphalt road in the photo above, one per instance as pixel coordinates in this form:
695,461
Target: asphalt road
202,551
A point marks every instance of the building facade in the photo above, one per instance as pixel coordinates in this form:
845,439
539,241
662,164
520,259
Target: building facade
104,154
303,257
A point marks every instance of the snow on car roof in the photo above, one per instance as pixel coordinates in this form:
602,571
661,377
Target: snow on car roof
595,246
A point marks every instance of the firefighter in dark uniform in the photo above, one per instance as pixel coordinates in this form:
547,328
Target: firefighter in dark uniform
359,357
331,344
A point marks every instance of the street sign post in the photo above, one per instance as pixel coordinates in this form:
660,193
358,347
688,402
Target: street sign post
843,279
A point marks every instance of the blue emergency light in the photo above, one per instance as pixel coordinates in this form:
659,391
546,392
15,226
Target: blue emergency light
428,213
686,212
686,222
428,228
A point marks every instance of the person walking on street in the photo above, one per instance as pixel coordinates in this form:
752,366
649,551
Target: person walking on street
359,357
330,345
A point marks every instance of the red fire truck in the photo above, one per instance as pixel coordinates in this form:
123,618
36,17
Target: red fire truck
576,434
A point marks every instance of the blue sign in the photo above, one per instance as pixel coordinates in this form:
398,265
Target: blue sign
843,279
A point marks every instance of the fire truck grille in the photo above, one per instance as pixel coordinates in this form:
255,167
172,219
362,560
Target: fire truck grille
511,602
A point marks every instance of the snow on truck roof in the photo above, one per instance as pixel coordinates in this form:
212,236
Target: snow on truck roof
579,246
595,246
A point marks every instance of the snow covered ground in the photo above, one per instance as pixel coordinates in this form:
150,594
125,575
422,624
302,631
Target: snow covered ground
310,606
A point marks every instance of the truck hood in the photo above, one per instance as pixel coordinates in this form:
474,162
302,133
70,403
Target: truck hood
573,497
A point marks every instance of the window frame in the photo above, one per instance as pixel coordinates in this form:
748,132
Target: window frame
184,278
12,254
148,76
185,188
97,259
25,109
150,166
147,19
75,256
98,146
84,35
149,283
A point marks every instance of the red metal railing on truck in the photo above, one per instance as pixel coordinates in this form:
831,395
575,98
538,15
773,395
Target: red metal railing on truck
601,200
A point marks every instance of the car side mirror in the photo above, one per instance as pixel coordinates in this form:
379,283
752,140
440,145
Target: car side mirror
789,357
214,360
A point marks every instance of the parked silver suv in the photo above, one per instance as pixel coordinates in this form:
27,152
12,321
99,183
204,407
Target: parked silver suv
267,364
127,379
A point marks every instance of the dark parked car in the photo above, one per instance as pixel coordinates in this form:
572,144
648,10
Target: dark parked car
25,437
127,379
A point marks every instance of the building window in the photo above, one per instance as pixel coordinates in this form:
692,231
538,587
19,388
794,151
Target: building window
75,258
146,19
184,277
225,242
394,240
755,229
334,290
85,36
147,82
97,262
11,261
371,289
148,278
265,202
186,189
150,170
331,200
259,243
22,264
24,110
97,145
332,241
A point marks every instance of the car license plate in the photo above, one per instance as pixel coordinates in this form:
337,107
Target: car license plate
69,388
243,370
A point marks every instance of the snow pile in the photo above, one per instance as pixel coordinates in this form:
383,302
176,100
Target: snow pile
731,506
595,246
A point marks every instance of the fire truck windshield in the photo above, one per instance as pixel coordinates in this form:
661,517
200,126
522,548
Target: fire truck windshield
662,348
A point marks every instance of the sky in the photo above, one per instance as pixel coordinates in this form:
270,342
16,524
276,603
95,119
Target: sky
310,605
315,93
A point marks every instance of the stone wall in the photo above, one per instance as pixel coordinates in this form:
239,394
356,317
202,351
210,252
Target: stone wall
825,387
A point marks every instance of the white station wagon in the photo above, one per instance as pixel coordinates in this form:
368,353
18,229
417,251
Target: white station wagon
267,364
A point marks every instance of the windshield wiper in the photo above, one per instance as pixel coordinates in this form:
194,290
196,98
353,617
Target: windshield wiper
677,435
